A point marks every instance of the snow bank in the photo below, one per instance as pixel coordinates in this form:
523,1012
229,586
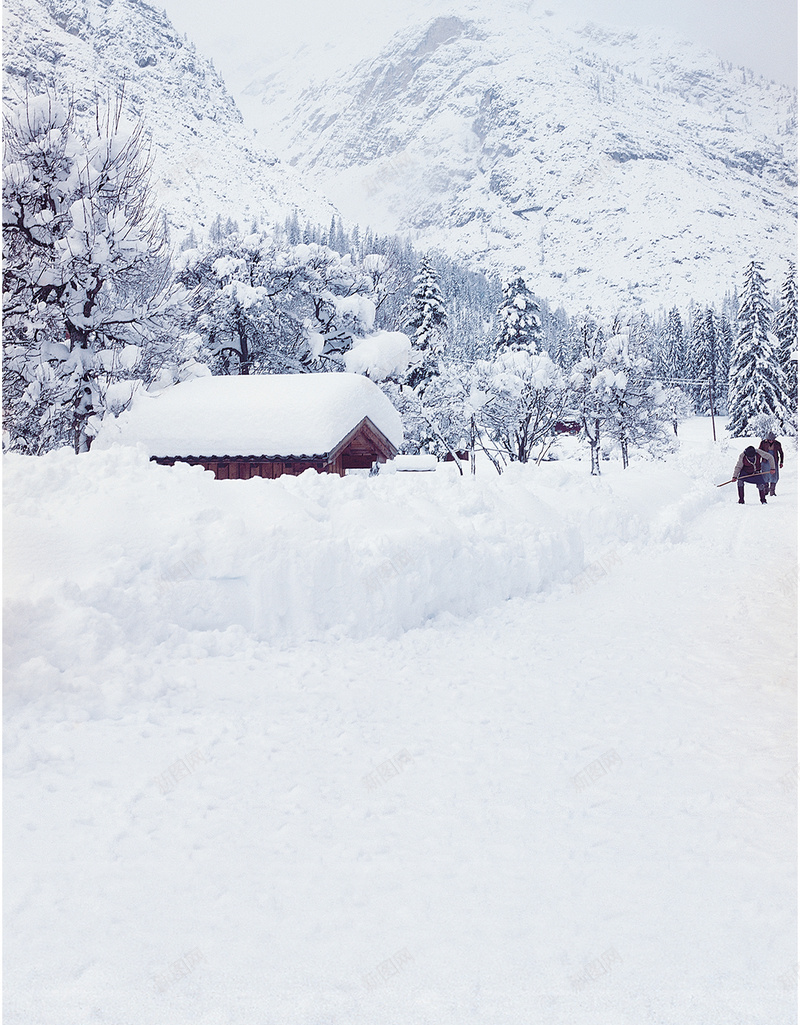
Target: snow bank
109,543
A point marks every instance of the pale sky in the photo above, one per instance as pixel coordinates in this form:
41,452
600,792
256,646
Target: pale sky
760,34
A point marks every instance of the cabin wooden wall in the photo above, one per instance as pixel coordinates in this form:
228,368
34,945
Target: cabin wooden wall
359,451
244,469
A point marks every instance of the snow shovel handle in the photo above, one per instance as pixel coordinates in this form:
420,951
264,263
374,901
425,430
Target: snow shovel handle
745,476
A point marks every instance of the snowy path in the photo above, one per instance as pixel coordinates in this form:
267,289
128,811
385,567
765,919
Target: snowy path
574,808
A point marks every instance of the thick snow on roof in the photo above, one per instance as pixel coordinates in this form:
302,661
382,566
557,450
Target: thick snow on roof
270,415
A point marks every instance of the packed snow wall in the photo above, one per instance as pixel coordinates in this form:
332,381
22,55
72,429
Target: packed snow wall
126,545
109,557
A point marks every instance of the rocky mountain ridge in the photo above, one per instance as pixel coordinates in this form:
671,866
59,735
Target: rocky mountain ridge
612,168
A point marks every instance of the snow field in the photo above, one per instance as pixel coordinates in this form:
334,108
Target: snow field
574,806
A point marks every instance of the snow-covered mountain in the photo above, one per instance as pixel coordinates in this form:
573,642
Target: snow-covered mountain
612,167
205,161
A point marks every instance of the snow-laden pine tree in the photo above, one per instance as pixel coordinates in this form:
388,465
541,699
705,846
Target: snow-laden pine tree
724,362
518,318
671,358
698,359
786,331
642,337
472,300
425,316
87,279
756,382
557,340
707,342
716,365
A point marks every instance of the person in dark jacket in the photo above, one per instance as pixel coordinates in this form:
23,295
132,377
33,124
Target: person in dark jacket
753,467
773,446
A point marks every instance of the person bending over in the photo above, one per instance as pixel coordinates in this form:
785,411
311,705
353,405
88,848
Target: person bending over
754,467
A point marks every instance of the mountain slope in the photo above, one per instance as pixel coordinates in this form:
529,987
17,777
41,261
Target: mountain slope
611,167
205,159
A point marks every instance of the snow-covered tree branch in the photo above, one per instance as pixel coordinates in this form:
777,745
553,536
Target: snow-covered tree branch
263,307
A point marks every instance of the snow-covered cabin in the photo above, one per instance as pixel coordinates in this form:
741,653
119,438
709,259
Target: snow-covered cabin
264,425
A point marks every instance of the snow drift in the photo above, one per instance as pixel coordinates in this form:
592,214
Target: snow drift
145,549
108,545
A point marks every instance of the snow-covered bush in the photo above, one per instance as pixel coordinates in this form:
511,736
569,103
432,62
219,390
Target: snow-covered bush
382,356
636,412
677,406
588,390
505,407
425,422
618,401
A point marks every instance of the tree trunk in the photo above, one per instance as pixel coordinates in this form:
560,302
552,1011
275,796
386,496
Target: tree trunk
594,445
82,407
244,352
595,450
